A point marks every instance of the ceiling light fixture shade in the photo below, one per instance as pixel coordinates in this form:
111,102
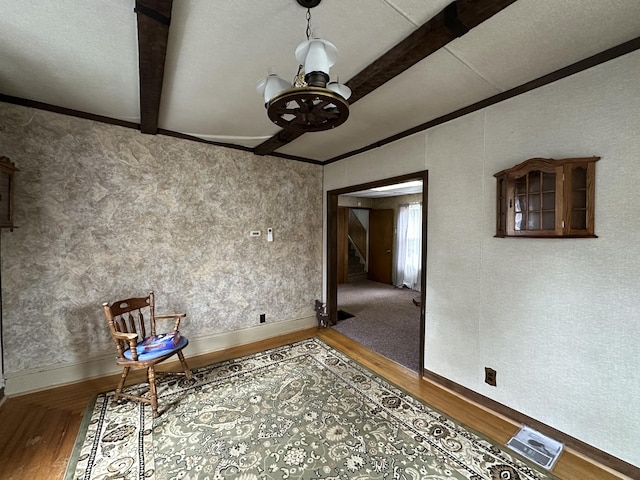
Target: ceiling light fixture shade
340,89
271,85
317,56
310,103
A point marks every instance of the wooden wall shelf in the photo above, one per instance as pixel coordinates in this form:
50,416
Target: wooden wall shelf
547,198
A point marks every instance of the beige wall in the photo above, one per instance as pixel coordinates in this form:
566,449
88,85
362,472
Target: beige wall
395,202
557,318
105,212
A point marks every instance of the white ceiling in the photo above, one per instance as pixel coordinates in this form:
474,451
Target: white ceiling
409,187
83,55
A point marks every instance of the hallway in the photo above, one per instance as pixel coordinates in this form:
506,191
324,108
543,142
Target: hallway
385,319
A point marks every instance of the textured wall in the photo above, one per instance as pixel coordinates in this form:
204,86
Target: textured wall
557,318
106,213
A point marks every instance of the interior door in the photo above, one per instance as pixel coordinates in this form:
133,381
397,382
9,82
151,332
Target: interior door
343,245
380,245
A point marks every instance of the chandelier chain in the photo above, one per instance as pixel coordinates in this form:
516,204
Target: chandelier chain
298,80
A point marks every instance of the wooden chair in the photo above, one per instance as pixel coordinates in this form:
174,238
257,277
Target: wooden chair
133,327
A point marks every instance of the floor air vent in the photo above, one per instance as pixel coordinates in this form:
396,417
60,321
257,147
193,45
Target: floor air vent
536,447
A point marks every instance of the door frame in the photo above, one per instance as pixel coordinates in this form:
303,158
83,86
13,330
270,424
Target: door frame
332,246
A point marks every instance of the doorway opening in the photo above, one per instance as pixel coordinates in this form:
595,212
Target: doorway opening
392,255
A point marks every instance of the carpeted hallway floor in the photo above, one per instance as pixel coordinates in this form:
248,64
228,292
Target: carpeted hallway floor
385,320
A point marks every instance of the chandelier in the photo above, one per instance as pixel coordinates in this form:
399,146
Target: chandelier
310,103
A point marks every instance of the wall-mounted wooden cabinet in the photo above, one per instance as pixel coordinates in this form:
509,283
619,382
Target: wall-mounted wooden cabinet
544,197
7,170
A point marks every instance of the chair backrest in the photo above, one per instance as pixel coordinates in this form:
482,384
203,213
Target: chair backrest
133,315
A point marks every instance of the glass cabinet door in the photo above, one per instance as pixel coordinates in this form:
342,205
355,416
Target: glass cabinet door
535,201
501,207
579,198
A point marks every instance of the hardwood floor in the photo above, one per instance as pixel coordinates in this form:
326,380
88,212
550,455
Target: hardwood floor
38,430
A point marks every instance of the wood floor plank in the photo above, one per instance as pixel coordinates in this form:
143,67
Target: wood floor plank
38,430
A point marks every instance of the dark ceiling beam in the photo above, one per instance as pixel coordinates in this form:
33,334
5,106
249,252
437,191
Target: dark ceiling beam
454,21
278,140
154,18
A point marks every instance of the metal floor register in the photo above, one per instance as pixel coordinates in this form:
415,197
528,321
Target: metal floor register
536,447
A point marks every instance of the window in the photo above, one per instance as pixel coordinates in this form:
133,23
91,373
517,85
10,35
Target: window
543,197
409,251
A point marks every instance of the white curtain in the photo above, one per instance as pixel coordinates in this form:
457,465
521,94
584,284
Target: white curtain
409,248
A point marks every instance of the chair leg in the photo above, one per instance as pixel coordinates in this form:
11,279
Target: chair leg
153,391
185,367
123,377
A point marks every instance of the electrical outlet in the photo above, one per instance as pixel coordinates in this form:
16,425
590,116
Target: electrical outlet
263,318
490,376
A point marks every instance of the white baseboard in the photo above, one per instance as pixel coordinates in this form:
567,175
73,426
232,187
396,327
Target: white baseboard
220,341
55,375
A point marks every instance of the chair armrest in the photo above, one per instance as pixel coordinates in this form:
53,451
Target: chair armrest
126,336
131,339
177,316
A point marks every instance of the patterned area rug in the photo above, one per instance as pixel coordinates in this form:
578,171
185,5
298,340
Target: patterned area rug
303,411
